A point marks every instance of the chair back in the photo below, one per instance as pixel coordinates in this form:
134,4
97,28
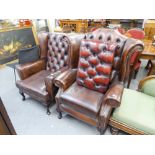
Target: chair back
136,34
100,58
58,55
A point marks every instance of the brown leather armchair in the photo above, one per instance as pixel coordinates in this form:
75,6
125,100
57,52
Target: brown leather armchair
59,52
89,92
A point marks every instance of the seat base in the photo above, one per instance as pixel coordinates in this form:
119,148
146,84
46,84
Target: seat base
135,114
34,86
83,100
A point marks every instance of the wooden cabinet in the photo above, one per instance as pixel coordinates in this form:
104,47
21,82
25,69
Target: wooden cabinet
6,127
76,25
149,29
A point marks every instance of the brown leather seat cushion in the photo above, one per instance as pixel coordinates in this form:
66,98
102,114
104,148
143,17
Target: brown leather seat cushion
35,84
82,99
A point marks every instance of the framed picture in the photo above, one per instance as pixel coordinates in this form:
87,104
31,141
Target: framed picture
14,39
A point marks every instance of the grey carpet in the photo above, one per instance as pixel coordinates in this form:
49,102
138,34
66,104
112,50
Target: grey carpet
30,118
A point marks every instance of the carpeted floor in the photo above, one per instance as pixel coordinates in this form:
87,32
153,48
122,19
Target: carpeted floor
30,118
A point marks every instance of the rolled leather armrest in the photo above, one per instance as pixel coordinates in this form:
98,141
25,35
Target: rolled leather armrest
49,81
65,79
114,95
28,69
147,84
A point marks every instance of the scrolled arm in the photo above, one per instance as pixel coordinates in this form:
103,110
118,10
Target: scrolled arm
28,69
66,79
147,85
114,95
111,100
49,81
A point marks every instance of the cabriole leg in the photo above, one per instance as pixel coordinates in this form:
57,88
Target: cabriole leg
48,109
114,131
23,96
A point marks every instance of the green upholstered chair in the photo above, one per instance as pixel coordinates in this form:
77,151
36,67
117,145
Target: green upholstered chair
136,113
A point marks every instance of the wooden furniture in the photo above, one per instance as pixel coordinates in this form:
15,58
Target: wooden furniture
136,34
86,93
6,127
149,50
76,25
66,29
149,29
151,67
136,114
149,54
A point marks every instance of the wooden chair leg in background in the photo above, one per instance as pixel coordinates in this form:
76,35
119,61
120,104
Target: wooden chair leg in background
152,68
148,64
135,74
130,78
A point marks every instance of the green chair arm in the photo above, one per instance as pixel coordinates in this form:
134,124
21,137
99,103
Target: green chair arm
147,85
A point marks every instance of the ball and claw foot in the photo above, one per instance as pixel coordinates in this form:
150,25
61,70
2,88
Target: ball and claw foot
60,115
114,131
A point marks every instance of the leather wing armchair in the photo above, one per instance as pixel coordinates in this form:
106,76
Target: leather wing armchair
88,93
136,114
59,52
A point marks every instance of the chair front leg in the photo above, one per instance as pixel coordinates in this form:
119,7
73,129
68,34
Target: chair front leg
114,131
23,95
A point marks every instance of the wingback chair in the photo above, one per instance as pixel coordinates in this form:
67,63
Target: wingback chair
136,112
86,92
58,52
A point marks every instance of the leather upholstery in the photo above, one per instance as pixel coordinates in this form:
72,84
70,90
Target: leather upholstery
26,70
57,54
89,95
109,36
43,44
35,85
95,65
86,104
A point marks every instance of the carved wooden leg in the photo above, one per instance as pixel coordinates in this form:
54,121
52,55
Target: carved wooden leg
23,96
48,110
148,64
135,74
114,131
59,114
59,111
102,131
129,80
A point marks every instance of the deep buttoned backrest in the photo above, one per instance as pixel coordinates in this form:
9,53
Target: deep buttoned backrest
95,64
110,36
58,55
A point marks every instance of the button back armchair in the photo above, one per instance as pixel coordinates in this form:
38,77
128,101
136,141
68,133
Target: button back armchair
59,52
88,93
